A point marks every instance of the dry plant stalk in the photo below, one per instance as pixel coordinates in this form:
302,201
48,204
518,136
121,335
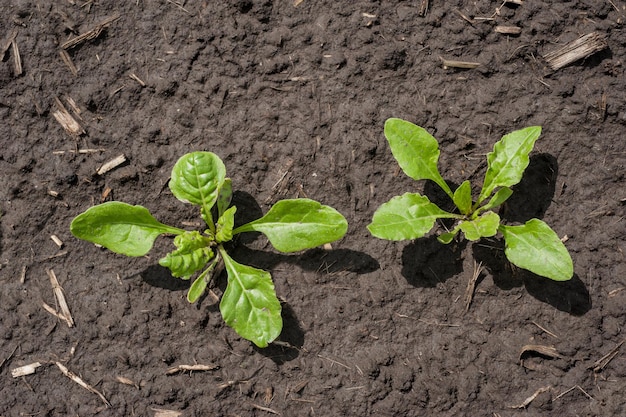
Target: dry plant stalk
91,34
67,59
17,59
159,412
580,48
530,399
25,370
112,164
448,63
508,30
184,368
549,351
471,285
71,375
60,296
66,120
424,5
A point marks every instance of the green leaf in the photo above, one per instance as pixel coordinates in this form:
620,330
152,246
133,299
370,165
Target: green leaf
199,285
120,227
463,197
224,197
249,304
408,216
293,225
509,159
498,198
193,253
484,226
536,247
225,225
197,178
447,237
416,151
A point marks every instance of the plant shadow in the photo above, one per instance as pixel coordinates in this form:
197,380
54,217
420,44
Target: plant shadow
291,340
534,193
569,296
426,262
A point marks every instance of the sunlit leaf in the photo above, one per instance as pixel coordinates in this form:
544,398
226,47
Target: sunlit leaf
193,253
408,216
293,225
483,226
416,151
509,159
120,227
536,247
498,198
225,225
197,178
463,197
249,304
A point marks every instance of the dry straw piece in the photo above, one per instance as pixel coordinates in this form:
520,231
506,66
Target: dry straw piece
580,48
60,296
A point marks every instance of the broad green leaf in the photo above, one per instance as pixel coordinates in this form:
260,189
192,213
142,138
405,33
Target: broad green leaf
408,216
120,227
199,285
509,159
463,197
293,225
498,198
193,253
249,304
484,226
536,247
224,196
416,151
197,178
225,225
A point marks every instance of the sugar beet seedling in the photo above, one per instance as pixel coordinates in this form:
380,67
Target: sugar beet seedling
249,304
533,246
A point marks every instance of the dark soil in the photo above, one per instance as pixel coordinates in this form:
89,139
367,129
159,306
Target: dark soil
293,98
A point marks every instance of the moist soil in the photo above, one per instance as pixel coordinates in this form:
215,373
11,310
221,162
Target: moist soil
293,97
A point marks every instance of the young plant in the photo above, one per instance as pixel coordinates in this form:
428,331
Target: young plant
533,246
249,304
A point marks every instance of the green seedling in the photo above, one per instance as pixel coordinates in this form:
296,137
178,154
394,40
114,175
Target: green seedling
533,246
249,304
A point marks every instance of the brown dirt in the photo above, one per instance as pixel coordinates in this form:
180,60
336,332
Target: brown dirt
371,327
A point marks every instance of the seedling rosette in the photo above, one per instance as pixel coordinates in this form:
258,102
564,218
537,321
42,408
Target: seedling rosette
249,304
533,246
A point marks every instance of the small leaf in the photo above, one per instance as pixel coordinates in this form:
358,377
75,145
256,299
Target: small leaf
225,225
293,225
249,304
509,159
120,227
224,197
197,178
447,237
416,151
193,253
463,197
198,287
484,226
536,247
498,198
408,216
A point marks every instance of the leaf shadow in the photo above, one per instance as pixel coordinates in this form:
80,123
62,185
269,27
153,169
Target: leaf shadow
534,193
426,262
568,296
